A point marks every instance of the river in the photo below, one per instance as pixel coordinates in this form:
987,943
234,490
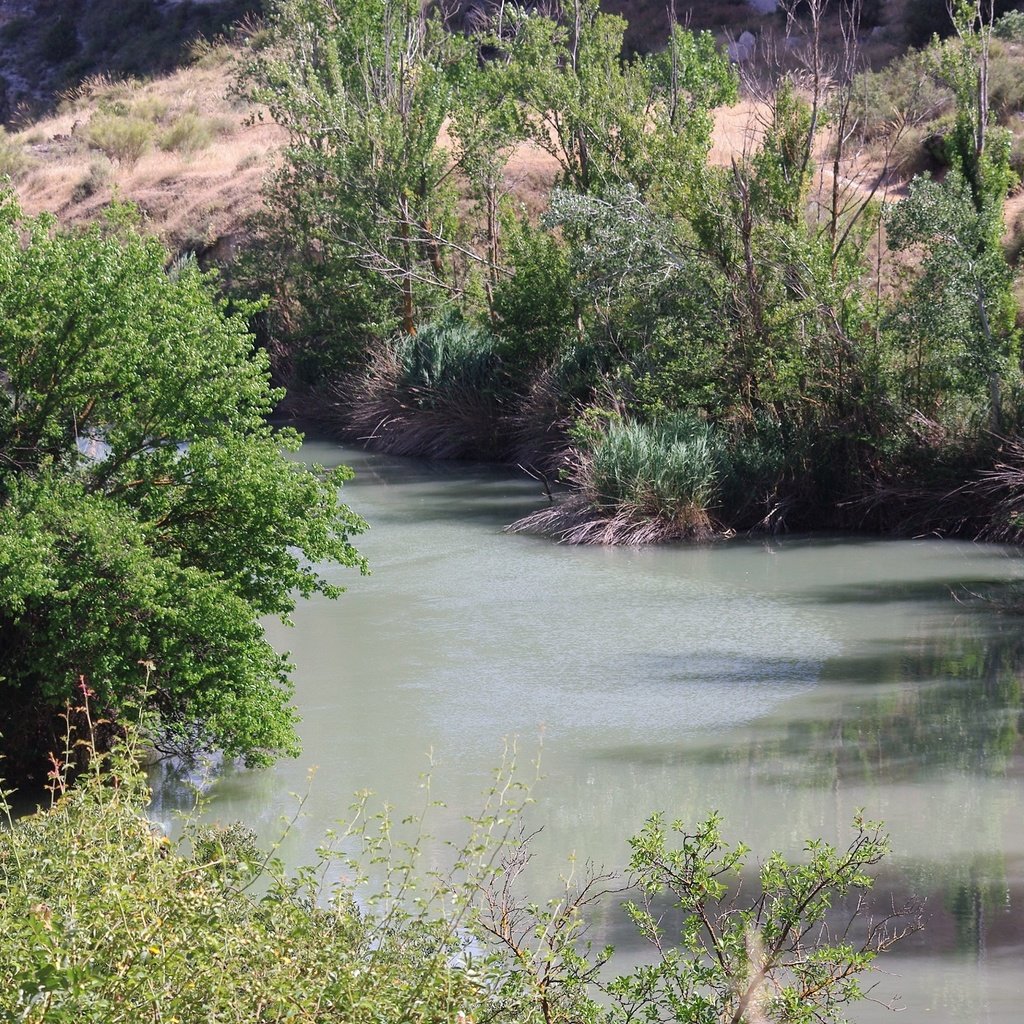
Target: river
785,683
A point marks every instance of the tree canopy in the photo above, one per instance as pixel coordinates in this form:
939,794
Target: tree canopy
148,515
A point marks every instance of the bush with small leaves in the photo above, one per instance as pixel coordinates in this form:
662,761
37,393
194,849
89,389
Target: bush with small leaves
122,137
104,920
187,134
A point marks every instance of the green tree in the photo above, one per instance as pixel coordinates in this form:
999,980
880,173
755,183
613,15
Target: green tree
958,329
783,953
362,204
147,516
610,121
955,326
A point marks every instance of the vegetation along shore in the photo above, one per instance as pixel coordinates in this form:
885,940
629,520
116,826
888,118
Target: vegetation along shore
699,273
693,296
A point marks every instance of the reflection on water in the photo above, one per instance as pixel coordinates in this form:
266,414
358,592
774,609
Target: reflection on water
904,712
784,684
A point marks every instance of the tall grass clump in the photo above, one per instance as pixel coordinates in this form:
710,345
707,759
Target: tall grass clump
448,355
668,468
439,393
638,483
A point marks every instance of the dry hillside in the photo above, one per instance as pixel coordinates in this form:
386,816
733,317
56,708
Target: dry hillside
188,155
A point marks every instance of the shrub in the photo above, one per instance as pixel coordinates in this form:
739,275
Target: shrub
1017,166
439,393
122,138
905,92
535,306
916,152
669,468
104,919
148,107
187,134
760,458
14,161
98,177
1006,81
1010,27
638,483
102,89
249,161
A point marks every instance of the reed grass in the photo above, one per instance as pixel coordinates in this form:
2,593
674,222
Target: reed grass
639,483
440,394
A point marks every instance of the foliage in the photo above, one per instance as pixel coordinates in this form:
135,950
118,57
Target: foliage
366,236
957,327
104,919
535,306
771,956
903,94
613,121
147,517
440,393
188,133
759,297
121,137
665,468
14,162
960,320
1010,27
364,197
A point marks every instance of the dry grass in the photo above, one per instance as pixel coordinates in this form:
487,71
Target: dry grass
575,519
199,180
999,491
198,192
195,197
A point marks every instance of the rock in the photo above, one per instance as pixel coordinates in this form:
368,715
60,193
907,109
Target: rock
742,49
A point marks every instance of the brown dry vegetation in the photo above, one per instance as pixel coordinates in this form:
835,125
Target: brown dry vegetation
196,194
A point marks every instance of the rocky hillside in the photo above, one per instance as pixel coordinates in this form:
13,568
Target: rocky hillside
49,46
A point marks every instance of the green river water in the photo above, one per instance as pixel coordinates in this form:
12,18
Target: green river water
784,683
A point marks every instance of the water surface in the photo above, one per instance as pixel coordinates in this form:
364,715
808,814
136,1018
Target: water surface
784,683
